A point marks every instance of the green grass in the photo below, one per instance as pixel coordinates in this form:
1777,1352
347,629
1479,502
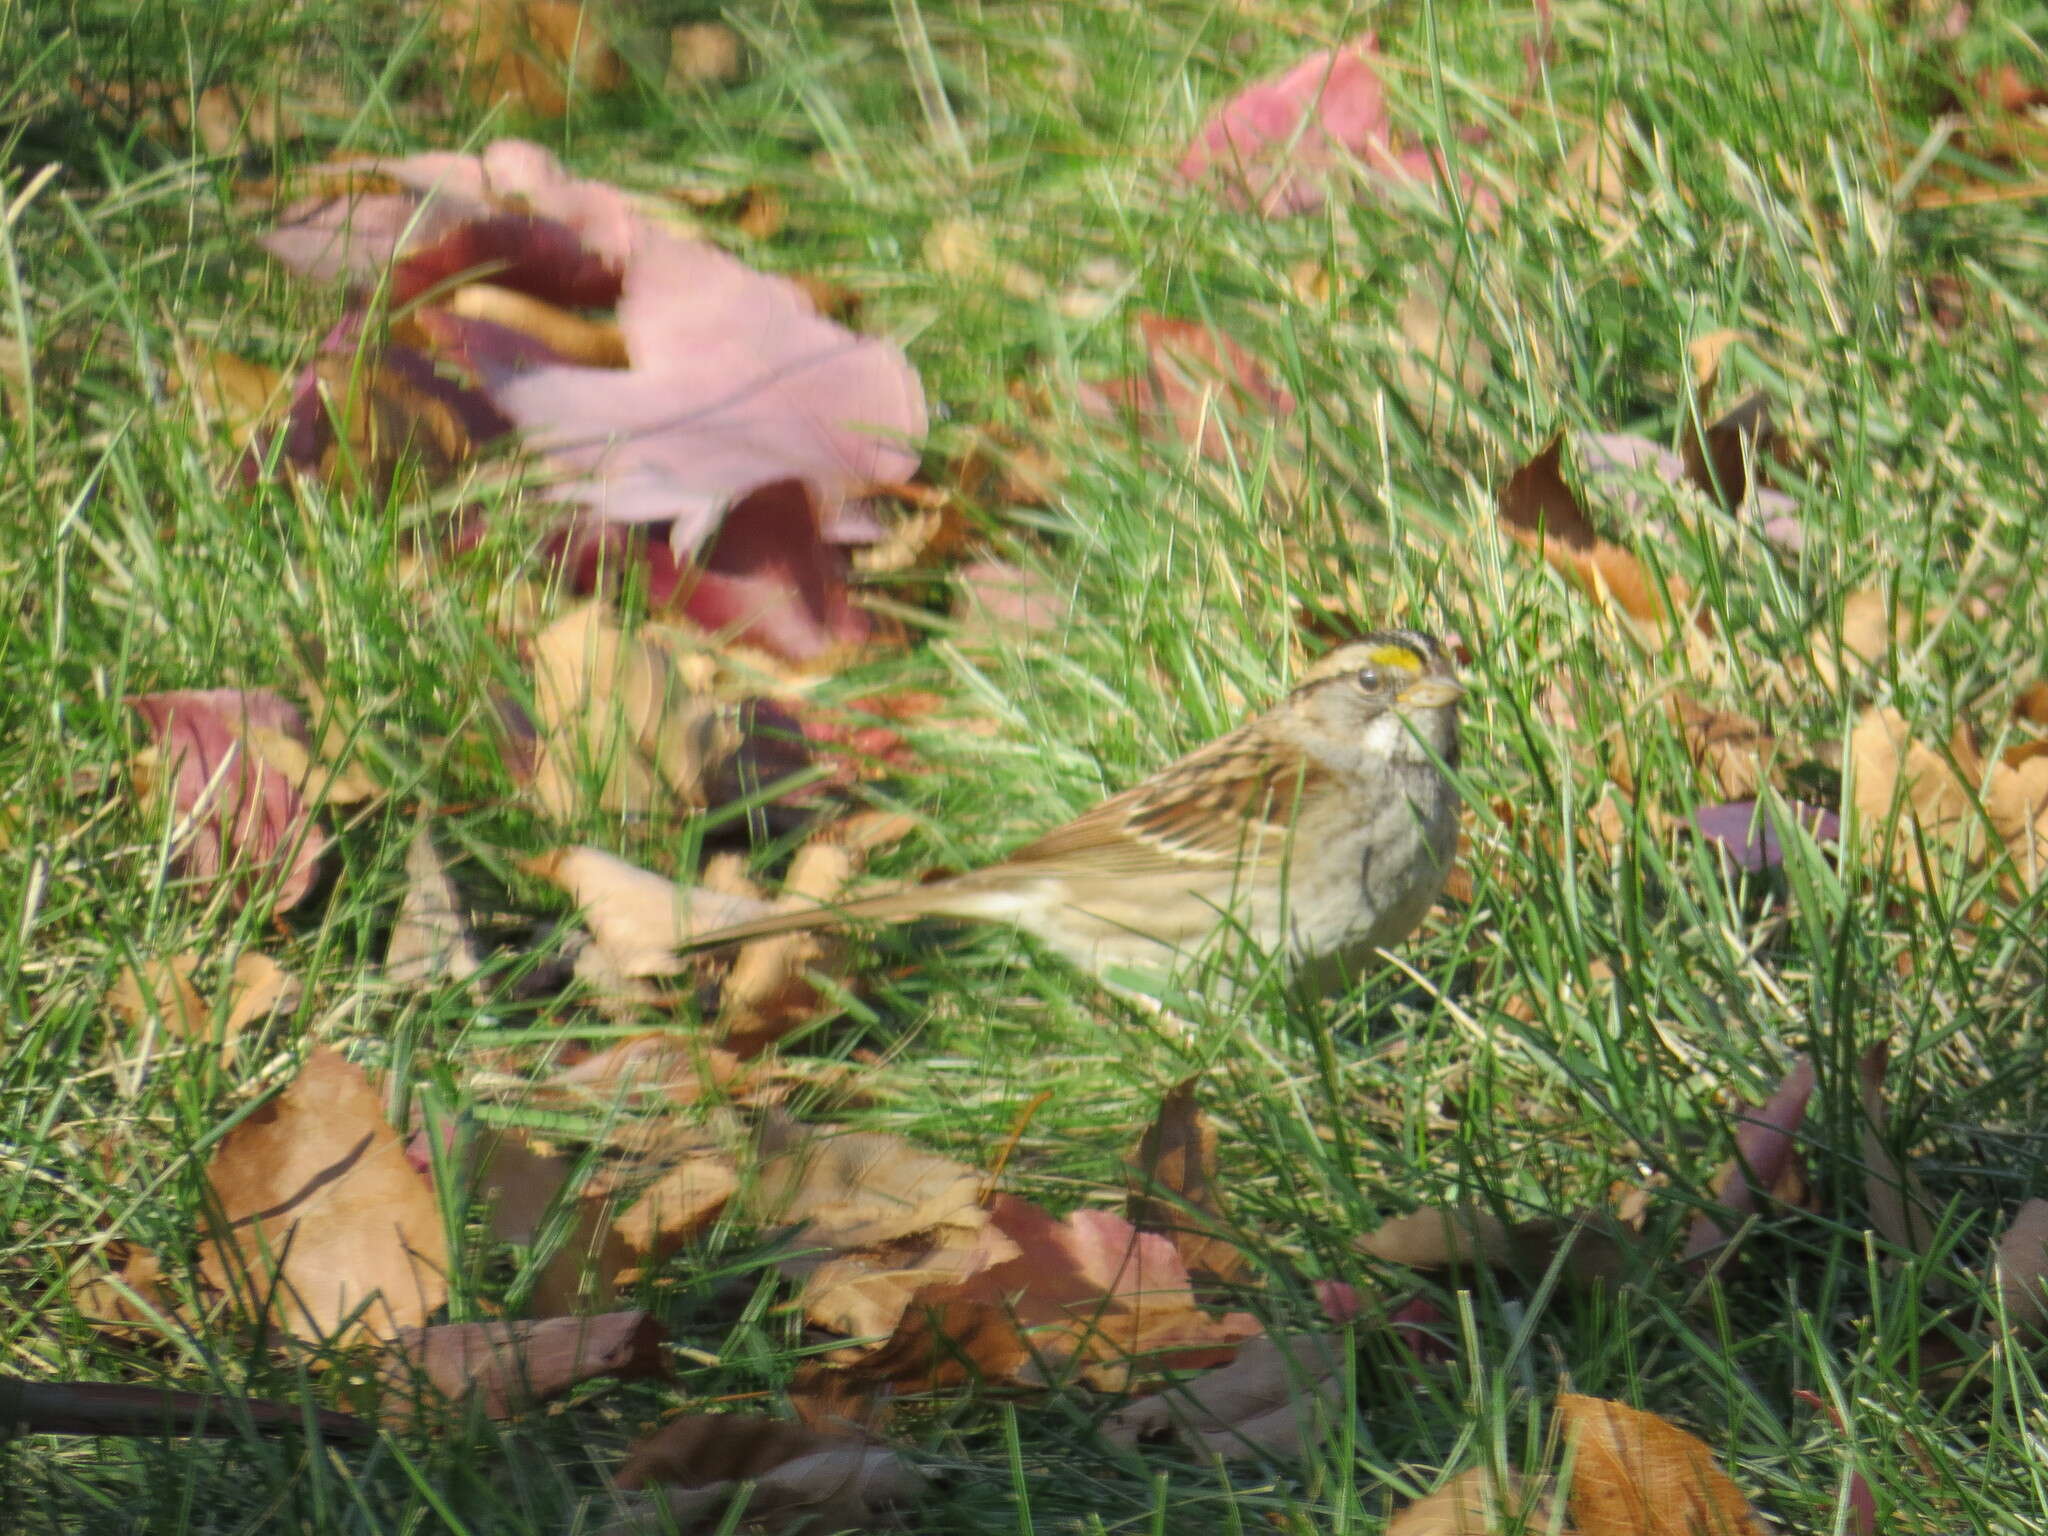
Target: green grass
1593,1014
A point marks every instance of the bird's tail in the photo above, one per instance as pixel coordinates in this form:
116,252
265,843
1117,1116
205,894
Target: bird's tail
888,907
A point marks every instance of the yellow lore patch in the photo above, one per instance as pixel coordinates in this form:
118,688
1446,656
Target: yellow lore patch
1399,656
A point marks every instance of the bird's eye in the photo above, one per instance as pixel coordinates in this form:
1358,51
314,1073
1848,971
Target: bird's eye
1369,679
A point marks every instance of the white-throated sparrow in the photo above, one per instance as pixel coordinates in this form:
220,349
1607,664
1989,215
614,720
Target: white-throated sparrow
1325,824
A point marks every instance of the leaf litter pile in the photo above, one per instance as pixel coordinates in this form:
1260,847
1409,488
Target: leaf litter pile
724,498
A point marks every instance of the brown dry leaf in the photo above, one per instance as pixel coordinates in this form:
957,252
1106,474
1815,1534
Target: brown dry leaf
2016,800
681,1069
769,990
960,249
125,1293
527,1191
1441,359
1634,1474
798,1477
258,989
375,415
1898,1203
2032,703
678,1205
1458,1236
1173,1188
1596,167
627,725
1279,1397
1089,1296
573,339
1475,1504
1870,630
160,992
1888,768
327,1229
2020,1266
864,1294
855,1189
1541,512
1735,754
535,54
237,394
636,918
431,939
703,53
1705,354
510,1366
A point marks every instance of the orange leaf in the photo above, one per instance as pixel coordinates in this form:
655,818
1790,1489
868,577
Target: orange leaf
1634,1474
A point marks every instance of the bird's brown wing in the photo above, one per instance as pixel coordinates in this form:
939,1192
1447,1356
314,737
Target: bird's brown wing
1231,801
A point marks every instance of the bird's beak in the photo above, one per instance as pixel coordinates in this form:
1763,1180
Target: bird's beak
1430,693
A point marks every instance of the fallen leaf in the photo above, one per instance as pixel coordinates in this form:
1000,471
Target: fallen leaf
1596,168
239,395
626,723
1766,1163
237,816
1907,795
1196,382
325,1228
678,1205
1476,1503
527,1196
636,917
160,992
508,1367
1278,1398
1279,144
1541,512
865,1293
431,939
1899,1207
2015,796
534,54
1464,1235
736,383
2020,1266
793,1476
703,53
769,990
770,577
679,1069
1090,1296
1634,1474
1718,456
1747,830
1731,750
997,603
1173,1189
563,335
855,1189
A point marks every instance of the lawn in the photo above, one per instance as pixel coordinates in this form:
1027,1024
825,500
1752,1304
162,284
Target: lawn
1612,220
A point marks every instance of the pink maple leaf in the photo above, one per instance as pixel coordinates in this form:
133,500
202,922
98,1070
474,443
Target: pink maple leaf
1278,143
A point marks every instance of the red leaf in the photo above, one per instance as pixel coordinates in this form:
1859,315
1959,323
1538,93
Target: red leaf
241,816
1278,142
770,579
1766,1151
541,257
